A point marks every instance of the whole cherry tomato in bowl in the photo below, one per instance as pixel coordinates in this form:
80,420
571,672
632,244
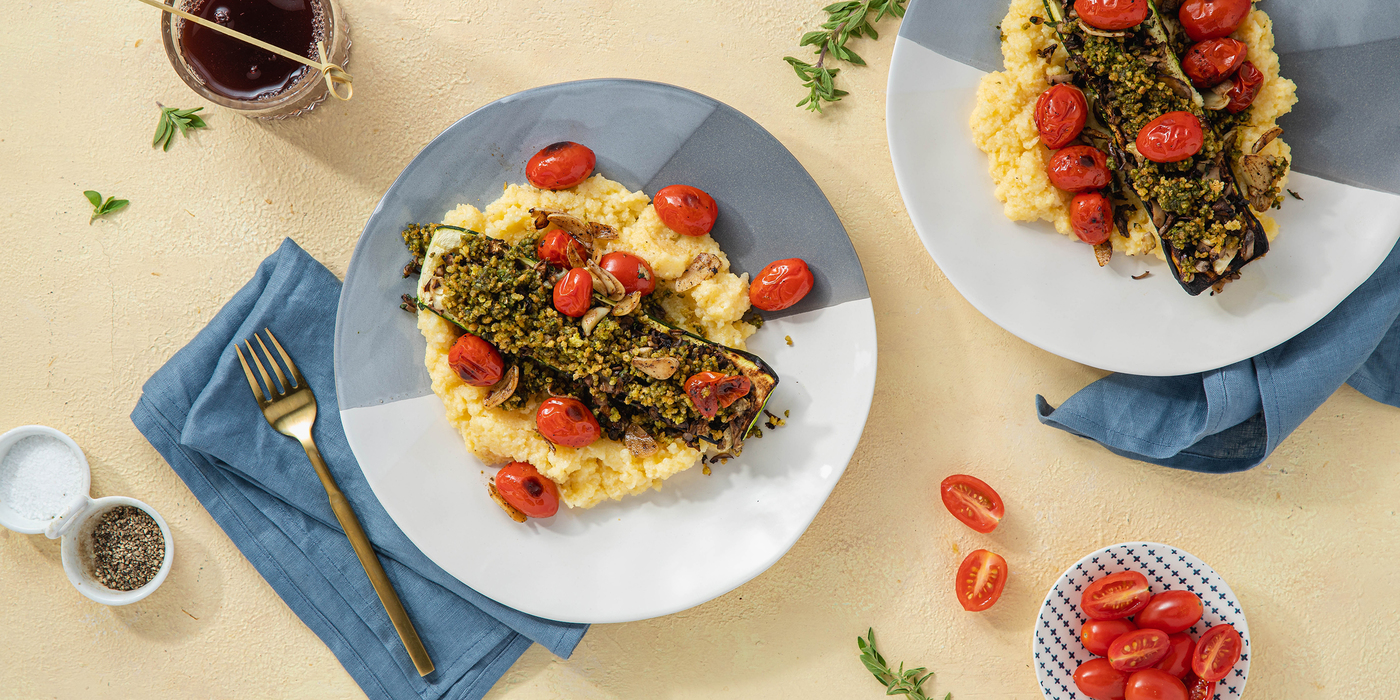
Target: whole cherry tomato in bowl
1112,15
1078,169
560,166
1098,635
1212,19
1177,662
1139,649
980,580
573,294
781,284
1172,137
686,210
633,272
555,245
1216,653
1060,113
1171,611
522,485
1099,680
1152,684
566,421
1091,217
1115,596
972,501
711,391
476,361
1211,61
1245,88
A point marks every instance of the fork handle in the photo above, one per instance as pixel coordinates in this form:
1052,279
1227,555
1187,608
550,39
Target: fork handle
370,561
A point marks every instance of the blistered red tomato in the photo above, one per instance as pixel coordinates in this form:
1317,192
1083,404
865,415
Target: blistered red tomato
1216,653
633,272
981,578
1138,649
555,245
529,491
1171,137
781,284
1177,662
1244,88
1091,217
565,421
1213,60
1211,19
560,166
1078,169
1152,684
686,210
1171,611
1097,635
573,294
711,391
1099,680
1060,114
1115,596
476,361
1197,689
1112,15
972,501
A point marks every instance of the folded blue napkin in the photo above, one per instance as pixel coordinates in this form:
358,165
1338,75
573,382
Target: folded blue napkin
1232,418
198,412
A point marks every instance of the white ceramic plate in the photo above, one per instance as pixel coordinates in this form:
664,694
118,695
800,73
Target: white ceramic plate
1047,289
1056,646
699,537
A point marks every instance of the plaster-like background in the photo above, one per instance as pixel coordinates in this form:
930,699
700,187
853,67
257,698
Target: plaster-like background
1308,541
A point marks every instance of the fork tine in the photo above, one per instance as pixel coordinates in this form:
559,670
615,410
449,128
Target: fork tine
276,368
296,375
252,381
271,388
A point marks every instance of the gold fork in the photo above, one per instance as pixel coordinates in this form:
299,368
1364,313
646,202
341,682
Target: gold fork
291,409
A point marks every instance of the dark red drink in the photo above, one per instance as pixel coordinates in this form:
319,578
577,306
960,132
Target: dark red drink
239,70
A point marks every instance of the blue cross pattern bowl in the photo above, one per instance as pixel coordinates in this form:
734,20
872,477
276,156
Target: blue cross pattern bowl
1058,651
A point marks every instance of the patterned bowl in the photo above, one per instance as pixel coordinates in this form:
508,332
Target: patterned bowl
1058,651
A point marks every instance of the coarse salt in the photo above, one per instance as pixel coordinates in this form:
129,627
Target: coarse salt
39,477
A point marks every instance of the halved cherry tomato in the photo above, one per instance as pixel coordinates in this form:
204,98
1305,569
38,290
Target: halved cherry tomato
555,245
687,210
1100,680
573,295
1171,137
1171,611
1115,596
565,421
1152,684
1139,649
560,166
1078,169
1098,635
1177,662
1197,689
972,501
1213,60
1059,115
1091,217
1244,88
1211,19
633,272
781,284
476,361
711,391
1112,15
1216,653
980,580
522,485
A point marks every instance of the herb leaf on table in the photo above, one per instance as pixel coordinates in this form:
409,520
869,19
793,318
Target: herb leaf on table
102,207
908,683
846,20
172,118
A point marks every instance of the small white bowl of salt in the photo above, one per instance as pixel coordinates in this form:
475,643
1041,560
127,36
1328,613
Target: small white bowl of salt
115,550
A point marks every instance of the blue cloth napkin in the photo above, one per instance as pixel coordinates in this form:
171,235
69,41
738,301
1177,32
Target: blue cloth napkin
198,412
1232,418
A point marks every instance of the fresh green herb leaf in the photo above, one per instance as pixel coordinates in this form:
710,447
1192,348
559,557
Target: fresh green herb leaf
907,683
102,207
846,20
94,197
171,119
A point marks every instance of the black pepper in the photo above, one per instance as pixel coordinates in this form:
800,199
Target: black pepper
127,548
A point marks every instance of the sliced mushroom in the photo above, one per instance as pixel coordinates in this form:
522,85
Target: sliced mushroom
657,367
1268,136
1099,32
702,267
605,283
503,389
1177,85
585,231
500,500
628,304
576,259
1103,252
591,319
639,442
1060,78
1159,216
1257,171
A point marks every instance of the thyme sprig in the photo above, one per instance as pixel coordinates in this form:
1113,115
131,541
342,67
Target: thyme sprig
172,118
908,683
102,207
846,20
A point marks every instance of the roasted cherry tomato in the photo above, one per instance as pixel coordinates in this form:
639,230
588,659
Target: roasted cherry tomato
475,361
1171,611
1177,662
781,284
1216,653
529,491
1097,635
686,210
1112,15
972,501
1115,596
1197,689
555,245
1244,88
566,421
1211,19
980,580
633,272
1078,169
1213,60
1099,680
711,391
1091,217
1152,684
573,294
1171,137
1059,115
560,165
1139,649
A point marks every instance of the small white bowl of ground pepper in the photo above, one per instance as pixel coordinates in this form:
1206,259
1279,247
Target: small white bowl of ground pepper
120,553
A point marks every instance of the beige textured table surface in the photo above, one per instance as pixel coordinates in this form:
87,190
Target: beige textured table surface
87,313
